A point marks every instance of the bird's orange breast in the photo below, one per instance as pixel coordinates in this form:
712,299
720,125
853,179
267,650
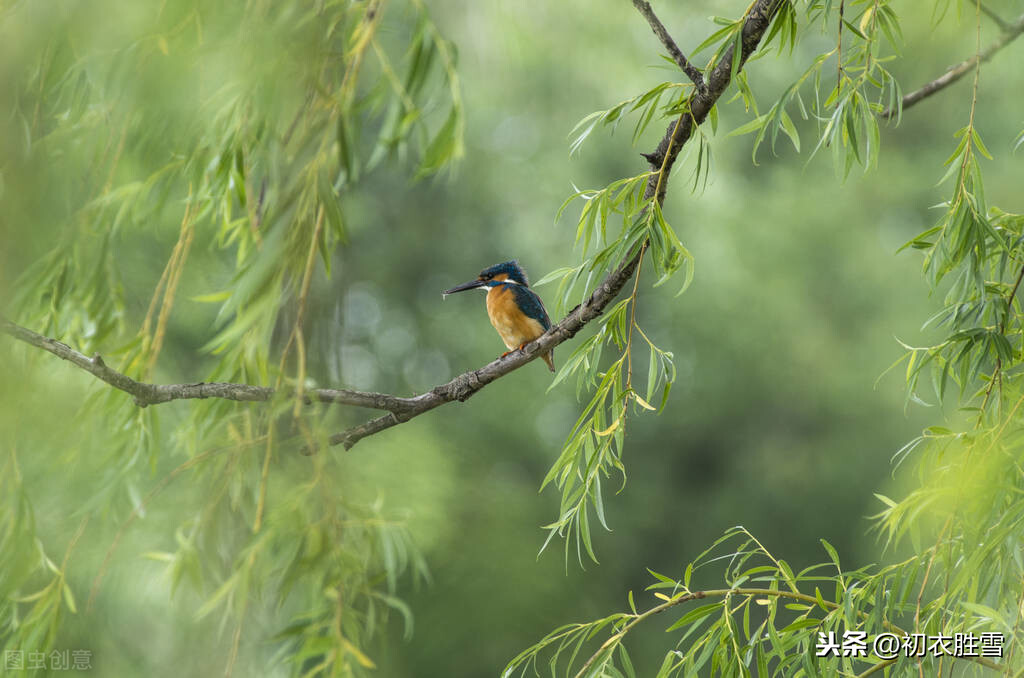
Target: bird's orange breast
515,327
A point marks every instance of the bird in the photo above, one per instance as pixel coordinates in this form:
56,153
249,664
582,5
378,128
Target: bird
515,310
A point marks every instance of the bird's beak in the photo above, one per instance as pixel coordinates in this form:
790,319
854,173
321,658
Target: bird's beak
472,284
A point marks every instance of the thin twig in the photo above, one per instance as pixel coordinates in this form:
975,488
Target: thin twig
998,20
997,373
688,596
1016,623
1010,299
880,666
632,325
839,54
297,335
677,55
296,339
174,268
1010,33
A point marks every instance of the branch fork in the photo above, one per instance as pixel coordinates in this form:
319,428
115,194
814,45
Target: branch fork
692,72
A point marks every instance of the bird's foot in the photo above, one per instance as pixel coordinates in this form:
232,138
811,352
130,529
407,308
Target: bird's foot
520,348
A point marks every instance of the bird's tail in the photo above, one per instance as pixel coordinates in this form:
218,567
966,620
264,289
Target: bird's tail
549,358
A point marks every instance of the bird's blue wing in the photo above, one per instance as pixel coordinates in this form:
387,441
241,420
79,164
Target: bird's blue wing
531,305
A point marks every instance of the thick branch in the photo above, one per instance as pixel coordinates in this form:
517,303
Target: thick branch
146,394
465,385
677,55
1009,34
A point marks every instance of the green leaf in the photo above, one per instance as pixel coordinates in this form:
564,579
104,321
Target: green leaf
753,126
694,615
446,146
212,298
69,599
832,553
222,592
988,613
790,129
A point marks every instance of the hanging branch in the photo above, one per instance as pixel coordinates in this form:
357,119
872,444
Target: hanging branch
760,593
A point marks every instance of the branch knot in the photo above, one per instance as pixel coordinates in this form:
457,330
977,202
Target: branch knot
463,386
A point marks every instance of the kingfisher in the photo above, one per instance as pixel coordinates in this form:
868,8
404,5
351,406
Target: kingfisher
515,310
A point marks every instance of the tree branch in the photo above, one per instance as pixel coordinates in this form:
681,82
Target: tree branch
1010,33
673,49
465,385
460,388
755,25
687,596
146,394
998,20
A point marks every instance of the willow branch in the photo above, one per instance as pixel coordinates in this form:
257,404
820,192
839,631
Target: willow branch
756,23
677,55
1010,33
399,409
996,19
146,394
687,596
880,666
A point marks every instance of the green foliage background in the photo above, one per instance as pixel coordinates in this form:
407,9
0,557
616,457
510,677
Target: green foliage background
775,422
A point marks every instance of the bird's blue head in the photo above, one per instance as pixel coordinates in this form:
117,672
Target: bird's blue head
509,271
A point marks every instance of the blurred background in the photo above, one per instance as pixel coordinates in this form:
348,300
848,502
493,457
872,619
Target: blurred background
778,420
